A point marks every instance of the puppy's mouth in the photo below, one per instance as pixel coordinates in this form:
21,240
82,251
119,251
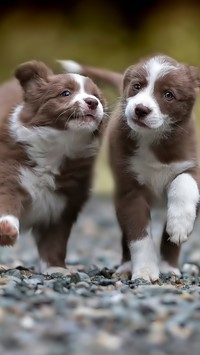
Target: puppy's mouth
141,123
87,118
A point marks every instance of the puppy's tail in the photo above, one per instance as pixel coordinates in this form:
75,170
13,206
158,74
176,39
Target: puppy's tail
103,75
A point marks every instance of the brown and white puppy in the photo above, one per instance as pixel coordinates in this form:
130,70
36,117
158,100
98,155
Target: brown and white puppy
153,156
50,129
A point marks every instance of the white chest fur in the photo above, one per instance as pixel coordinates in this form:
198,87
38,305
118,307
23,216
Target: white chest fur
47,147
149,171
46,204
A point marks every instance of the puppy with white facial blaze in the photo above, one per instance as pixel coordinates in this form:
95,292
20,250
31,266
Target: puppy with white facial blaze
153,155
49,139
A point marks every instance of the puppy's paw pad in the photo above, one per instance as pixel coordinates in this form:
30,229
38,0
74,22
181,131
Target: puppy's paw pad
8,233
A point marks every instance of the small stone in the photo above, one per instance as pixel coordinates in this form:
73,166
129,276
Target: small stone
4,281
119,284
108,341
106,273
176,330
3,267
13,272
107,282
33,281
75,278
83,292
93,271
83,276
12,278
92,313
27,322
53,270
38,277
191,269
93,288
82,284
156,334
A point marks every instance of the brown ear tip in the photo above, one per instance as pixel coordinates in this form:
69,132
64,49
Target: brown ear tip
25,71
31,70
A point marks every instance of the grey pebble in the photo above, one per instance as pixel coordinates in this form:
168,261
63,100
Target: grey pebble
90,312
13,273
82,284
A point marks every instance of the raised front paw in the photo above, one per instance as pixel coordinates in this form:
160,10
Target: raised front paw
180,226
148,272
9,230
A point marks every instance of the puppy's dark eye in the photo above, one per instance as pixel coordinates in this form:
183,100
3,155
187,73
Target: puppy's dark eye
168,95
137,86
66,93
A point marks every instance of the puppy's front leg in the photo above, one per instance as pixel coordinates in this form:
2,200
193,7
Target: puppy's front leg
10,213
133,213
183,198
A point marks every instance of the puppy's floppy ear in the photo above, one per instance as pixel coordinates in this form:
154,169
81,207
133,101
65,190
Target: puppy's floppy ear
31,71
195,75
127,76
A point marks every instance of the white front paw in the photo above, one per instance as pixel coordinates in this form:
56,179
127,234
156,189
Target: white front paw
148,272
180,225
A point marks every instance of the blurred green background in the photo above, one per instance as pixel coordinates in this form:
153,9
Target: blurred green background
112,34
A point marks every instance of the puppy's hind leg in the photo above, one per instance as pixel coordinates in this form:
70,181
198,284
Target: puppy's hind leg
169,255
125,266
51,242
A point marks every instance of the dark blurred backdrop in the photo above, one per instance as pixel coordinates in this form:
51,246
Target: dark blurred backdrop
109,33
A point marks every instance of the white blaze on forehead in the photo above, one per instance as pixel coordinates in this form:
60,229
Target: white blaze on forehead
157,67
81,94
80,79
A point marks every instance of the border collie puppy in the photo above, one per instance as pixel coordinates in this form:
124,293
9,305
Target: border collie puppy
50,130
153,155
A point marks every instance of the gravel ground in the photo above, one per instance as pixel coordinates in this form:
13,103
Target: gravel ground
88,310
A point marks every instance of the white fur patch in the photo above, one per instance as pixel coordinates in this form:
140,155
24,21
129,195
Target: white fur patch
46,204
70,66
156,68
183,197
144,259
12,220
47,147
149,171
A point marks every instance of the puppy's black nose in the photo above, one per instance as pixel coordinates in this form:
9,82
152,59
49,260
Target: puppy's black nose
92,103
142,111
